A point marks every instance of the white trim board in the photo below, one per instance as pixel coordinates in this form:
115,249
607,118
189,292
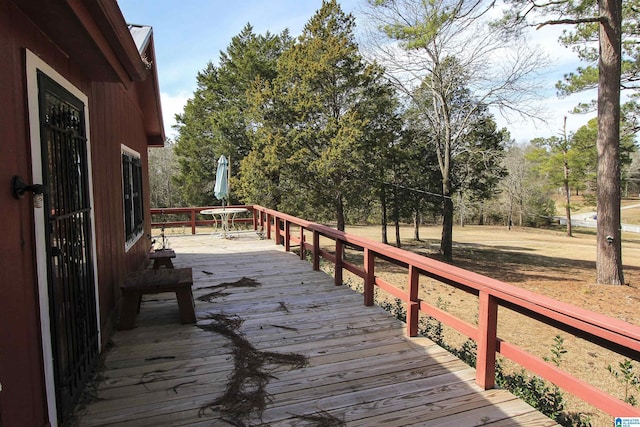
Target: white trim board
33,64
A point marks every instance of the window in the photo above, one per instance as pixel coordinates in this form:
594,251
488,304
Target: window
132,193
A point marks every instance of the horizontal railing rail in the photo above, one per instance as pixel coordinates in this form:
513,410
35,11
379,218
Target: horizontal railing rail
606,332
193,217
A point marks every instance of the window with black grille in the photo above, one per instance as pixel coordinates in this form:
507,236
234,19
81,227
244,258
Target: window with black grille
132,193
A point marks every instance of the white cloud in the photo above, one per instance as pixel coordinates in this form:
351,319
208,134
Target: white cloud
172,105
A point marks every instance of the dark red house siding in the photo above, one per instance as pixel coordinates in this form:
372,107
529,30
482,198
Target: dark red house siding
115,118
22,396
113,127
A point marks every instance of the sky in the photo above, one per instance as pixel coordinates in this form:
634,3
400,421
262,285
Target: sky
190,33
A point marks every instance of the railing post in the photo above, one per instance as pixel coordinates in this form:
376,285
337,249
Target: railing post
302,248
413,305
254,214
369,276
287,232
487,340
193,221
316,250
337,280
268,226
276,222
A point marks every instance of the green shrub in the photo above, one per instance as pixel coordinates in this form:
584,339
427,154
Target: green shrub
546,398
629,379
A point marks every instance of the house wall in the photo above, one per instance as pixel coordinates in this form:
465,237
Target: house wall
121,124
114,119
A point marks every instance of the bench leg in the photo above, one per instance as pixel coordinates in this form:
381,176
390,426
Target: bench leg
186,305
158,262
130,307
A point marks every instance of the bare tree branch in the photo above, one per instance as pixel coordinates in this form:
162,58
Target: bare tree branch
570,21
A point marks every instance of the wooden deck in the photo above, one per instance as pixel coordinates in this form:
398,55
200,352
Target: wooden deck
308,352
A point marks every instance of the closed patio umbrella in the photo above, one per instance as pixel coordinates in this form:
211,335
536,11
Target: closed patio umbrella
221,188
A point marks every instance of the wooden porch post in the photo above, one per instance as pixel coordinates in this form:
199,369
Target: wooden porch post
487,340
337,280
369,276
413,305
254,214
193,221
287,235
316,250
276,222
302,248
268,226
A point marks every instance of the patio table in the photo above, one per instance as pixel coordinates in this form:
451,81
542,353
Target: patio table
225,215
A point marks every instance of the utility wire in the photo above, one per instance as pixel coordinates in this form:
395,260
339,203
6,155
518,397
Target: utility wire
417,190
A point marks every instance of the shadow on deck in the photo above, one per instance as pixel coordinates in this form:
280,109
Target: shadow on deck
286,347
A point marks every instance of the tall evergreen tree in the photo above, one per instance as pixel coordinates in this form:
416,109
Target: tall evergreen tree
557,159
606,19
214,121
585,154
313,122
417,177
583,39
479,168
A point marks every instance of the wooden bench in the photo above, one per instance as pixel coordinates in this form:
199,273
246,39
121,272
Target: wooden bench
162,257
147,281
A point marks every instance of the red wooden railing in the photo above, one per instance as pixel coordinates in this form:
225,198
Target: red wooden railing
607,332
195,219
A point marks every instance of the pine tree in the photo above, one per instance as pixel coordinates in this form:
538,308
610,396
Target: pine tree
214,121
314,121
603,18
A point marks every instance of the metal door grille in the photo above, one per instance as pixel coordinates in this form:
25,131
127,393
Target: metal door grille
72,299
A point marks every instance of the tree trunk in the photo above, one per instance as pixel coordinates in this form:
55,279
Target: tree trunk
609,245
520,212
567,211
446,242
383,203
510,216
416,225
396,217
567,190
340,213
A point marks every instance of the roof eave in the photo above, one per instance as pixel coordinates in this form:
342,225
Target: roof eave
150,99
95,32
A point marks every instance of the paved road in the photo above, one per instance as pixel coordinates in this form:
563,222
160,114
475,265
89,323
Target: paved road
588,219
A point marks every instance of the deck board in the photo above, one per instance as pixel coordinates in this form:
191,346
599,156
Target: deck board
361,368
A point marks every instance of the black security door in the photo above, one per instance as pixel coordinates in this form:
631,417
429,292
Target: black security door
72,300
